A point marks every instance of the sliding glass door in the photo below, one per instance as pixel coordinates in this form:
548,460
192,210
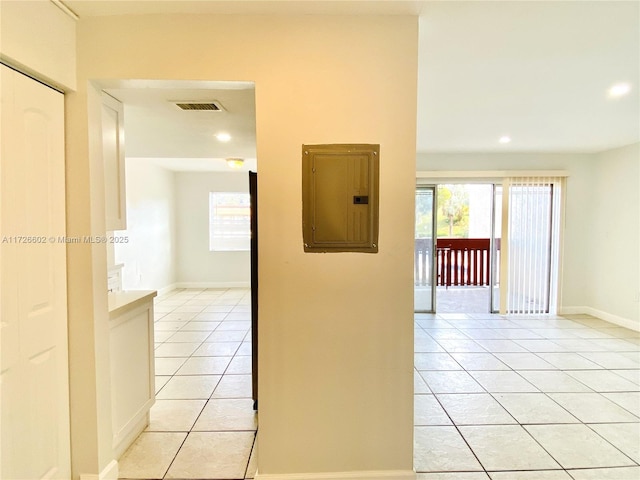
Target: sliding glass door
496,250
424,270
490,247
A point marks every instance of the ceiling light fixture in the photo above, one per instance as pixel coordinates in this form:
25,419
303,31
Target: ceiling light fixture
619,90
223,136
505,139
235,163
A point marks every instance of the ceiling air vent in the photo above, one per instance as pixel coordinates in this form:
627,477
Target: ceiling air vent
200,106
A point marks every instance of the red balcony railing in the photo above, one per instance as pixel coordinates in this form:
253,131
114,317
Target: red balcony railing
460,261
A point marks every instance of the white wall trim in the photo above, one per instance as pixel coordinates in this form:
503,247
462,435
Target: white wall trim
490,173
609,317
573,311
110,472
65,9
212,285
359,475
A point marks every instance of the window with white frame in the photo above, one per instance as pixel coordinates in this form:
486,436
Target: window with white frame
229,221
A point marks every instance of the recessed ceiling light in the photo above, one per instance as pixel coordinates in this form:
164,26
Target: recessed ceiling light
619,89
505,139
223,136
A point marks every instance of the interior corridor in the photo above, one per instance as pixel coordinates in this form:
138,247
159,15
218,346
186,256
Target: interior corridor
500,398
202,425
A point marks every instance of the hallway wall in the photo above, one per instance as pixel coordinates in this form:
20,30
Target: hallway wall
196,265
149,255
613,266
337,342
167,235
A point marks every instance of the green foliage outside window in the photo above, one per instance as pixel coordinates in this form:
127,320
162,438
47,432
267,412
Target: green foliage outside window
453,211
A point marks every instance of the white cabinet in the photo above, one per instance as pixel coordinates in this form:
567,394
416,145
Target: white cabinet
132,365
113,154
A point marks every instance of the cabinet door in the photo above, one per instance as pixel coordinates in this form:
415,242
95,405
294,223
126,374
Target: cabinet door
132,374
113,154
34,382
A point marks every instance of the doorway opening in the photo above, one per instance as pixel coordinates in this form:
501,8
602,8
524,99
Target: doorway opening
189,149
455,230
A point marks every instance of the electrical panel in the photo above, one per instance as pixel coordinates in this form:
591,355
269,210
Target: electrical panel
340,197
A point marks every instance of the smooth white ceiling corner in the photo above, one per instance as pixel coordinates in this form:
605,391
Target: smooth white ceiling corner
539,70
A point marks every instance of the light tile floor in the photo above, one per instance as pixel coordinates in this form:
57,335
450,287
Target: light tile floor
202,425
496,398
526,398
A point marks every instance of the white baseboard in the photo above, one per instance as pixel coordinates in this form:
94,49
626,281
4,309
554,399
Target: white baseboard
213,285
110,472
572,311
609,317
360,475
167,289
178,285
123,439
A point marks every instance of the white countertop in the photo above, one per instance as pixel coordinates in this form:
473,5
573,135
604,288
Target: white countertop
120,302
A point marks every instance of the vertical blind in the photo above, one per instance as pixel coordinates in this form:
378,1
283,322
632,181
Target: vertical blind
534,206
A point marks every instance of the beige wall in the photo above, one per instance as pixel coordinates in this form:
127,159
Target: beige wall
168,230
614,236
196,265
336,336
149,254
49,55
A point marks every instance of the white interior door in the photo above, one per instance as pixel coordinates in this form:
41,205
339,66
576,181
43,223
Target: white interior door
34,385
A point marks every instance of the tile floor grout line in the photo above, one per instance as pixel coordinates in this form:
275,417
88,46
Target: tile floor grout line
606,440
461,436
543,448
175,456
517,422
253,445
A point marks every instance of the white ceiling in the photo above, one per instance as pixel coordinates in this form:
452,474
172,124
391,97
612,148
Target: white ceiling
185,140
537,71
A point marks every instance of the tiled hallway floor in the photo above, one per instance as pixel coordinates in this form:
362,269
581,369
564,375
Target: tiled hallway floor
495,398
202,425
